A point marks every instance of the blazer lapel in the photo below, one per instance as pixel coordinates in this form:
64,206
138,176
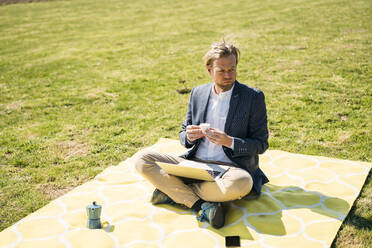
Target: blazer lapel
204,103
233,105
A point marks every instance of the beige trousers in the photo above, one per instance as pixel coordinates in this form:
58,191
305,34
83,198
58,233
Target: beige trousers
237,182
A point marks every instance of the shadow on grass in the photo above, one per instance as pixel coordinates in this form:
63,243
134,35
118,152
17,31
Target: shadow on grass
359,221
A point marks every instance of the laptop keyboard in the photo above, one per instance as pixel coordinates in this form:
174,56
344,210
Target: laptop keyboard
213,173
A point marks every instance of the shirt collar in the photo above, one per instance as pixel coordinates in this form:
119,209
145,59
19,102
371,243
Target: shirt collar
223,95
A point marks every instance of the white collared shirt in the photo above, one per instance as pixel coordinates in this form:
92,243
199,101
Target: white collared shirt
218,107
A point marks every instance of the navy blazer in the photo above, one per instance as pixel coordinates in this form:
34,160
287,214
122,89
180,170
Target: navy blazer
246,122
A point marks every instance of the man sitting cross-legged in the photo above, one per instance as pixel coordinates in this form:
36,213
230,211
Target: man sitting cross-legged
238,133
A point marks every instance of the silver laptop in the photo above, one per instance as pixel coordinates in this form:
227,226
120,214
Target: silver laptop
195,170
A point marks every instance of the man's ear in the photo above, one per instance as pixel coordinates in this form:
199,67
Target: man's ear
209,68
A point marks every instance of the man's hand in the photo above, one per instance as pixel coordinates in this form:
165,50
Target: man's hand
218,137
193,133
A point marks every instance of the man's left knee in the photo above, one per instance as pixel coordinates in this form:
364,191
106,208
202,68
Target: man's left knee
241,186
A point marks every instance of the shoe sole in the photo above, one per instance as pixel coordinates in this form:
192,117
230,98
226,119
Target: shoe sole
219,220
155,201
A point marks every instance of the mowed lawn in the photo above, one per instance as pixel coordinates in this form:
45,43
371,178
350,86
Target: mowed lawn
84,84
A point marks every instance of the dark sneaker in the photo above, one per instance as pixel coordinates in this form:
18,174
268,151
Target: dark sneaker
213,213
158,197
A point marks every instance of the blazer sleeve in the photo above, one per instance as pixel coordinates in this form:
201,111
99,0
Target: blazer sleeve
257,140
187,121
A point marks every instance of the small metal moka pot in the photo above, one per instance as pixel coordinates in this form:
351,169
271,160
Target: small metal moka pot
94,213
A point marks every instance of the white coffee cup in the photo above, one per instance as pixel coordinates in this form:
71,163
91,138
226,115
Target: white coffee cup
204,126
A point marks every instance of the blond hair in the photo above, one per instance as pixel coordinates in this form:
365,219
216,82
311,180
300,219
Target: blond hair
219,50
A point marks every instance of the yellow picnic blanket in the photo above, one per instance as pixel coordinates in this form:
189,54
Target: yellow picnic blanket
304,205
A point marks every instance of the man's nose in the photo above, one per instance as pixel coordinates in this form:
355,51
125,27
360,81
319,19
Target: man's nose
228,73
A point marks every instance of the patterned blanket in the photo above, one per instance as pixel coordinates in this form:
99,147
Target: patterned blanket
304,205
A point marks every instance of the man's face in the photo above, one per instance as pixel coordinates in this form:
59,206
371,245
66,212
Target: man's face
223,72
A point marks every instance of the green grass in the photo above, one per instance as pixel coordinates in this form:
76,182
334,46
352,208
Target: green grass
85,84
